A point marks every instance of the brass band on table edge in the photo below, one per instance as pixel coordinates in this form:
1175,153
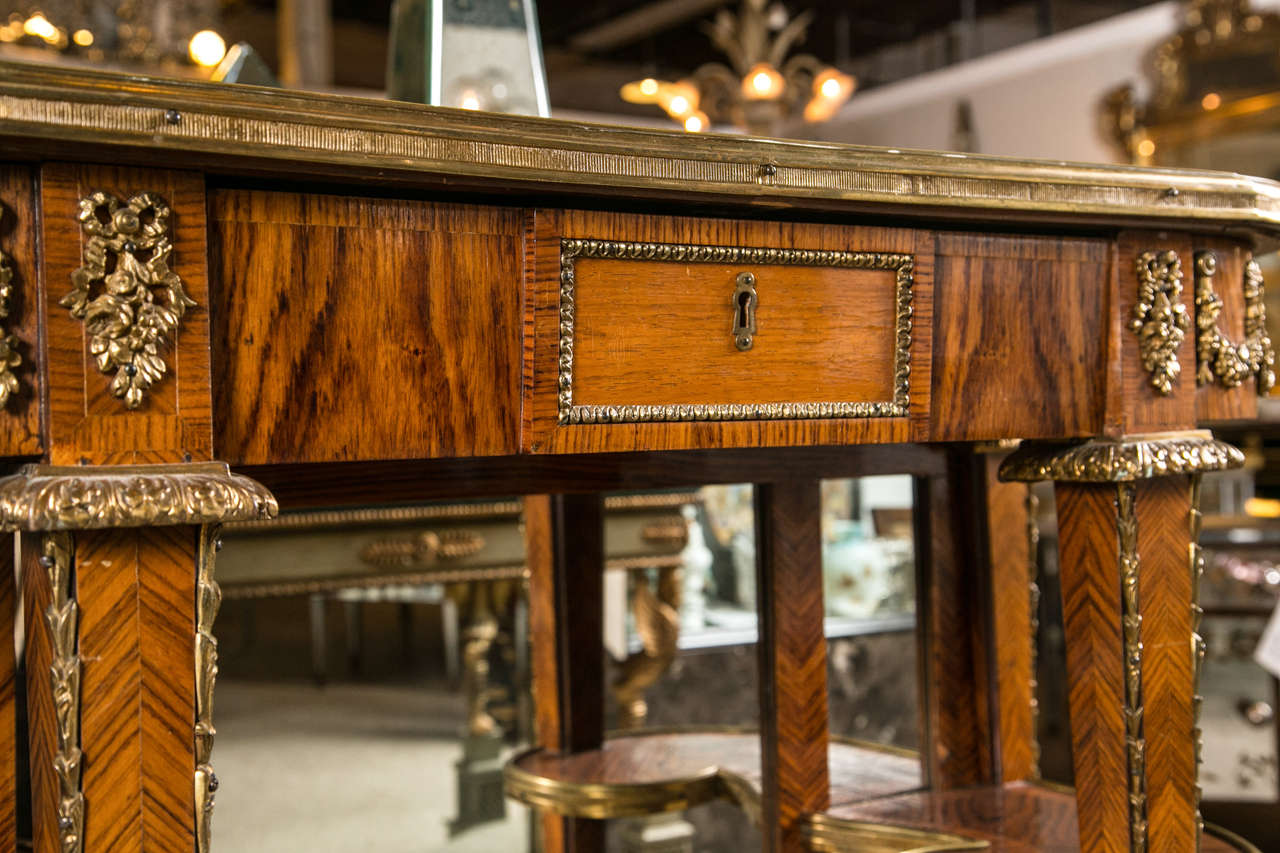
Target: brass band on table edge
1136,457
571,249
46,497
86,107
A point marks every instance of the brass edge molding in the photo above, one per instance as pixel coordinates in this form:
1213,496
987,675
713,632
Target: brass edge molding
208,600
1217,358
302,131
1159,318
602,801
1197,645
1131,620
829,834
63,619
280,589
310,520
44,497
570,413
10,360
1231,838
310,586
288,521
126,325
1121,460
1033,603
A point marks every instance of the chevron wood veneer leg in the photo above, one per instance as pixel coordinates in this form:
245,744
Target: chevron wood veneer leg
8,707
564,549
1131,704
42,736
137,594
792,651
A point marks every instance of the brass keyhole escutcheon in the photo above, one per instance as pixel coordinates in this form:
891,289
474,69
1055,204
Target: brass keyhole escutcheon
744,310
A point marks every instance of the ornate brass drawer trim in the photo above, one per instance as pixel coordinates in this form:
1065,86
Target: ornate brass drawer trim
571,249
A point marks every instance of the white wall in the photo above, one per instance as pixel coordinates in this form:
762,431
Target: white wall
1036,100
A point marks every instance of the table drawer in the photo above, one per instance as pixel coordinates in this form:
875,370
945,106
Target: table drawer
674,321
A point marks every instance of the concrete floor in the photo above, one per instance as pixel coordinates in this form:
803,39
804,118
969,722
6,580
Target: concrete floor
349,767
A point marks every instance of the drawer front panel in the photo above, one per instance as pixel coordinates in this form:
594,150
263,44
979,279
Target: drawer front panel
661,333
671,332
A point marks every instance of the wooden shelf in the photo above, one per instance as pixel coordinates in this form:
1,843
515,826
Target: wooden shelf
878,804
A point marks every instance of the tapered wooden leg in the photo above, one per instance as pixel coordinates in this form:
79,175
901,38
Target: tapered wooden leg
1127,612
1014,603
792,652
8,706
564,546
954,586
113,657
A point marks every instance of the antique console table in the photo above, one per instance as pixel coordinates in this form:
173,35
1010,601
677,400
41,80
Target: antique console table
213,295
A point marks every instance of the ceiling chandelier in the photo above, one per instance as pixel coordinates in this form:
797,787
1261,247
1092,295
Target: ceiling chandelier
763,88
151,32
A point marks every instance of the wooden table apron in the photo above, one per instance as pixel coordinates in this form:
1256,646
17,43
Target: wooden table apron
353,303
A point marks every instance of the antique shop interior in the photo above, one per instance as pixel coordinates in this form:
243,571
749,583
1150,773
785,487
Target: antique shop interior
377,662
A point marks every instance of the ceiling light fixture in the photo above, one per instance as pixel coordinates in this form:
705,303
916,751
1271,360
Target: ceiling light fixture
763,89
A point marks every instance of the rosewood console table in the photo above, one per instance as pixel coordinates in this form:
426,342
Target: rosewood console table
353,302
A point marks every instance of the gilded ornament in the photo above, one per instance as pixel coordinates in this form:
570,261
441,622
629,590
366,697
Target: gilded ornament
901,264
125,260
208,600
62,617
9,357
424,549
1197,641
1033,602
1122,460
41,497
1159,318
1131,622
1217,358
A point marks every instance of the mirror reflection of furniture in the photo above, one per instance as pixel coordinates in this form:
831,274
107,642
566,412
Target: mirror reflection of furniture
468,559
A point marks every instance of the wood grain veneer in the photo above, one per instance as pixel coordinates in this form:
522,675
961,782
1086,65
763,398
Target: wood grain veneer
1014,818
792,655
1020,345
20,416
670,759
1012,638
354,328
137,632
564,550
956,716
85,423
41,719
1163,512
664,360
1095,662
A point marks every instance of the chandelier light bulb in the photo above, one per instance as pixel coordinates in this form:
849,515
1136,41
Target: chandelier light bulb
84,38
207,48
38,25
696,123
469,100
762,83
649,87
